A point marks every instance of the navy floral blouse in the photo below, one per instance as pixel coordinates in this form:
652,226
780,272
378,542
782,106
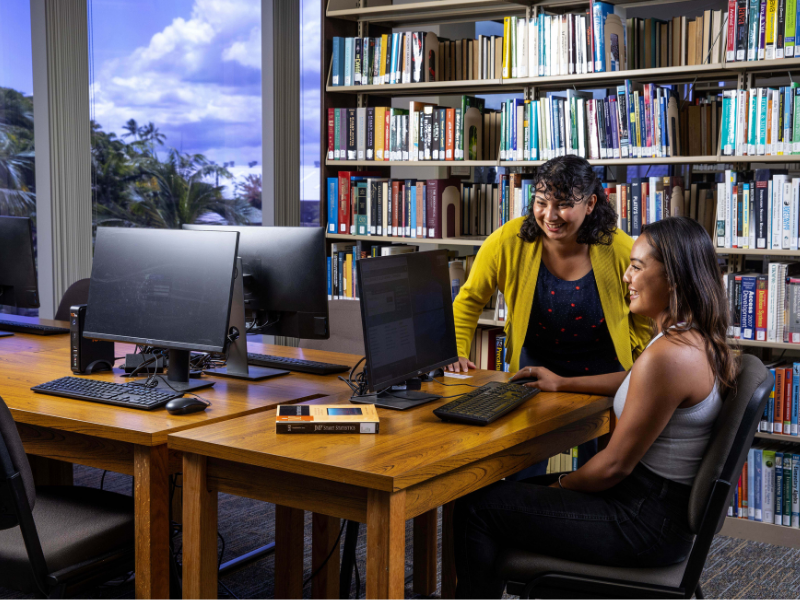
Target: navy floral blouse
567,332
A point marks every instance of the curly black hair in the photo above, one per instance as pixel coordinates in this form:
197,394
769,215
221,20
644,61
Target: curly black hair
571,179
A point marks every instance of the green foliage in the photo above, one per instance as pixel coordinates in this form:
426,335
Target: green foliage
17,176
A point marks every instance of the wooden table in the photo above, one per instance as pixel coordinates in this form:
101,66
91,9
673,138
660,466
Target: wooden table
127,440
416,464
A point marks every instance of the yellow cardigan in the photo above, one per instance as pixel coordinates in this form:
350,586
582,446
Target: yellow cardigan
510,264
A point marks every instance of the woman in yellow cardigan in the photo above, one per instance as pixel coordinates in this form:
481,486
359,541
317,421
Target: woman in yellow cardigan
560,270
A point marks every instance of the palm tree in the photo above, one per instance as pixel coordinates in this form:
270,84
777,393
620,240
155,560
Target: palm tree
17,179
174,192
132,127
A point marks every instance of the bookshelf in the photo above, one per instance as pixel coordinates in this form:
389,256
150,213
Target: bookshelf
350,18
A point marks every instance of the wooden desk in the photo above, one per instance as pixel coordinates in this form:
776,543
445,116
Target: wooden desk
127,440
25,342
416,464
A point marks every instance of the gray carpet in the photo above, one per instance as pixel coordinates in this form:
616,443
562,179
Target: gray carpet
735,568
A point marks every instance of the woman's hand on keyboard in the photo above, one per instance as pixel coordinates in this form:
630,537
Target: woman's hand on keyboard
462,364
546,380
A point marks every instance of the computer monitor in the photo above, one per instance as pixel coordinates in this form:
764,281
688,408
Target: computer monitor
166,288
285,279
407,317
18,285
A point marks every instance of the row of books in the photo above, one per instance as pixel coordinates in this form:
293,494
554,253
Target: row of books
602,39
564,462
414,57
420,133
645,200
639,121
765,307
758,209
768,489
488,349
761,121
341,264
761,29
780,414
363,203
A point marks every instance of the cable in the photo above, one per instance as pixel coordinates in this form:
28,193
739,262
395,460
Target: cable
221,554
456,384
228,590
103,479
327,558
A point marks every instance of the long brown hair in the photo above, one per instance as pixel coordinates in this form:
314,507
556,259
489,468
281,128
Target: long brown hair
697,297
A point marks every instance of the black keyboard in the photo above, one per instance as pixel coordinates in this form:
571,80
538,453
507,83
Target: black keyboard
294,364
105,392
486,403
33,328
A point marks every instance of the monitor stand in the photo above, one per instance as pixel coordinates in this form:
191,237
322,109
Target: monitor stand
177,379
237,350
396,399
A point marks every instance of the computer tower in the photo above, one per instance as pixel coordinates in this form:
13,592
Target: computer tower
87,356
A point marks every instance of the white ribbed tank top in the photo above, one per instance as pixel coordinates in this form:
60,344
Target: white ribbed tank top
677,452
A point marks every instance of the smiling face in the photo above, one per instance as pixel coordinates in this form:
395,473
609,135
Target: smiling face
647,281
560,220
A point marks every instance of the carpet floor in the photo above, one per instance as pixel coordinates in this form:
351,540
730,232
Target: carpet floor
734,569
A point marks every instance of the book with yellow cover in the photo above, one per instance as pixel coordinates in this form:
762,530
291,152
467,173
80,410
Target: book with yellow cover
326,418
506,47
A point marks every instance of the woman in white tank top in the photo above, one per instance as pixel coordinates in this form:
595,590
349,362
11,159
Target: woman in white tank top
628,505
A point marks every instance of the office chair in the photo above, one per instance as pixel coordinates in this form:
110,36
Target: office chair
344,322
56,539
532,575
77,293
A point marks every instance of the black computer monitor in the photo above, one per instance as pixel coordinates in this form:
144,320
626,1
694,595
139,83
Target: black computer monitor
18,285
407,317
285,279
166,288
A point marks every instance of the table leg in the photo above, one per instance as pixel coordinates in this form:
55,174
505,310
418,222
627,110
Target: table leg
199,530
386,544
426,552
448,555
288,552
603,440
151,498
325,541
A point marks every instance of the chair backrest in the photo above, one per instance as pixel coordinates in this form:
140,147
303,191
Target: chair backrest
344,321
723,461
77,293
13,459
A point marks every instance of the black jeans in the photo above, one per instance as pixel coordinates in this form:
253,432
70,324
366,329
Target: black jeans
640,522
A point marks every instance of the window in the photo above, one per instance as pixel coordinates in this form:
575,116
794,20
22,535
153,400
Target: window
17,174
176,112
310,12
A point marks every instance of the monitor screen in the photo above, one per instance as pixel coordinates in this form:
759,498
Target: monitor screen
407,316
162,287
18,286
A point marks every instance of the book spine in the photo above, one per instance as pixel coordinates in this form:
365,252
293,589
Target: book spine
761,308
306,427
333,205
731,46
748,307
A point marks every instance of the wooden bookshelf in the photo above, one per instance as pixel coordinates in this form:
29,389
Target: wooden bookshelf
757,531
378,20
459,241
777,437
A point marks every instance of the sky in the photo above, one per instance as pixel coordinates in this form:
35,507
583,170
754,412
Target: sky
192,67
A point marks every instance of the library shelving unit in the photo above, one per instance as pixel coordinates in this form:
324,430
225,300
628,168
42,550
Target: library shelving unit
351,18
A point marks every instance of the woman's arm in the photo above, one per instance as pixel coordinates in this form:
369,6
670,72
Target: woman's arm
476,292
547,381
653,395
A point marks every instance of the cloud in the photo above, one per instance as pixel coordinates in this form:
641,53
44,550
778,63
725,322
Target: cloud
198,80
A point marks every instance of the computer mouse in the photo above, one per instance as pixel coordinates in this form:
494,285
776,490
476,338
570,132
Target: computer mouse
186,406
522,380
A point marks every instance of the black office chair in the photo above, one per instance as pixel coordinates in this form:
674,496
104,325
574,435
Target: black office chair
532,575
77,293
57,539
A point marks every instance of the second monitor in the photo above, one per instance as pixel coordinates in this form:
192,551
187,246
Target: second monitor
407,317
